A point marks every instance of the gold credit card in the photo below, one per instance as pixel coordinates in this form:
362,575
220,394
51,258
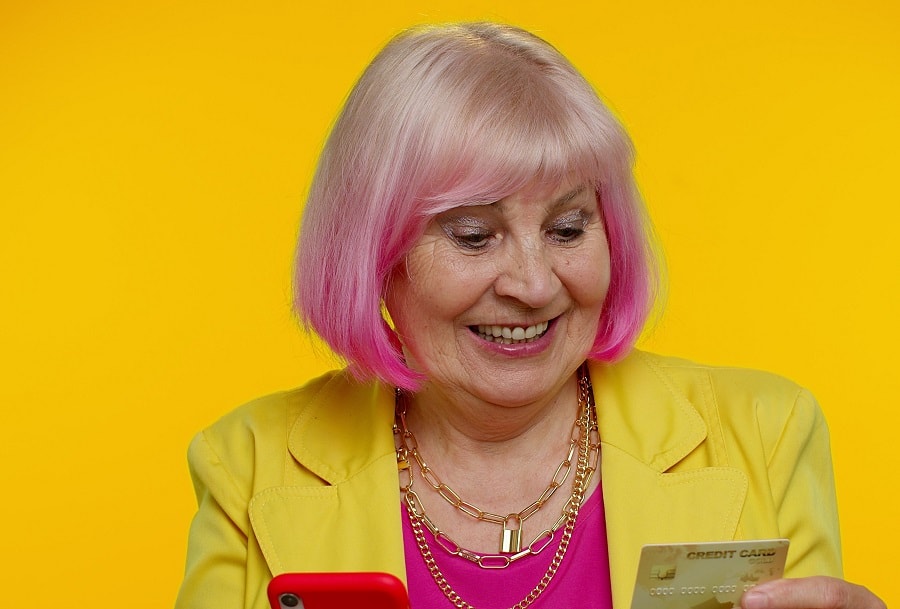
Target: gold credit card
705,575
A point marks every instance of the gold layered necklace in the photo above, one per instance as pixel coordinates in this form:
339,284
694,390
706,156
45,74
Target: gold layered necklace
584,440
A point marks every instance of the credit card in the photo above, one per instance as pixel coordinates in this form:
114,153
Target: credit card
705,575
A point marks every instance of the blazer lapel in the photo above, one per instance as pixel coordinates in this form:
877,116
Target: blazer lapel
352,522
647,426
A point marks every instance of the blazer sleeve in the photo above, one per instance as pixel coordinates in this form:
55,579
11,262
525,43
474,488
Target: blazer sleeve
215,572
802,484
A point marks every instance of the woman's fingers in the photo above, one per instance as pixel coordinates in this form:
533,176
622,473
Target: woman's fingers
810,593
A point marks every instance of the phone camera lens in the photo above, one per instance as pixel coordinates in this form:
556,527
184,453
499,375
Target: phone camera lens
289,600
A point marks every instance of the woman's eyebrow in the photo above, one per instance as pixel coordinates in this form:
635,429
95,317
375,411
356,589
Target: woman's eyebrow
569,196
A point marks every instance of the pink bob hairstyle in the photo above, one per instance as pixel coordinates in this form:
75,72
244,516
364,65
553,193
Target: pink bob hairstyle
446,116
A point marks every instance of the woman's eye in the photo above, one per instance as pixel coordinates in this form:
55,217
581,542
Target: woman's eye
473,240
569,227
566,233
468,233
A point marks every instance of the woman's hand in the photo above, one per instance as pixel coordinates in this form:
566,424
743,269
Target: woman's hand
810,593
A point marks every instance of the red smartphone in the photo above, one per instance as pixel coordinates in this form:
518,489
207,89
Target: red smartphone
337,591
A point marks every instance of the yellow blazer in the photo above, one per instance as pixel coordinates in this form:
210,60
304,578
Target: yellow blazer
306,480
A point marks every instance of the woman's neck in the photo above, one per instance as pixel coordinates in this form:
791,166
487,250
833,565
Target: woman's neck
455,420
488,447
497,458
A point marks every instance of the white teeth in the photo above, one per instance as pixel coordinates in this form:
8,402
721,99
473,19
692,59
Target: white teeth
512,334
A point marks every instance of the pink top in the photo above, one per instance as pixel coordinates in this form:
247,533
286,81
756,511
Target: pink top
582,579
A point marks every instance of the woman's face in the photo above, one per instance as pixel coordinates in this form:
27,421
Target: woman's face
501,302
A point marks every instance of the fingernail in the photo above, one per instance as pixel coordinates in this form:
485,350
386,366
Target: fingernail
754,599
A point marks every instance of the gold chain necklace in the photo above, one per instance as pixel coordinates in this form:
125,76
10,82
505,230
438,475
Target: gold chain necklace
588,462
511,534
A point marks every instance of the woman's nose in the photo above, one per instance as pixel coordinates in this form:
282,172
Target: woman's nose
526,274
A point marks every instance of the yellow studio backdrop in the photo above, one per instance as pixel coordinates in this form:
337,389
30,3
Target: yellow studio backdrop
153,161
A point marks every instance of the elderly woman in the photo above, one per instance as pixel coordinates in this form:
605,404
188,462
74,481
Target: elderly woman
475,247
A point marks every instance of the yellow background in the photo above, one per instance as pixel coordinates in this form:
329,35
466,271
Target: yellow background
153,161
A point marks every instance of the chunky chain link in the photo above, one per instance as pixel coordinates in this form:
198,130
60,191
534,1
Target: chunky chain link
588,445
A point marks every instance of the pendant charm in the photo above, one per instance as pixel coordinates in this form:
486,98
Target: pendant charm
511,538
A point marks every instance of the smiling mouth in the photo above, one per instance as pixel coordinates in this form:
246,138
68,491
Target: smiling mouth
511,335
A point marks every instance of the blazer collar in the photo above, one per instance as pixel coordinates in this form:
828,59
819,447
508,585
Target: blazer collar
351,523
345,428
647,426
642,411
